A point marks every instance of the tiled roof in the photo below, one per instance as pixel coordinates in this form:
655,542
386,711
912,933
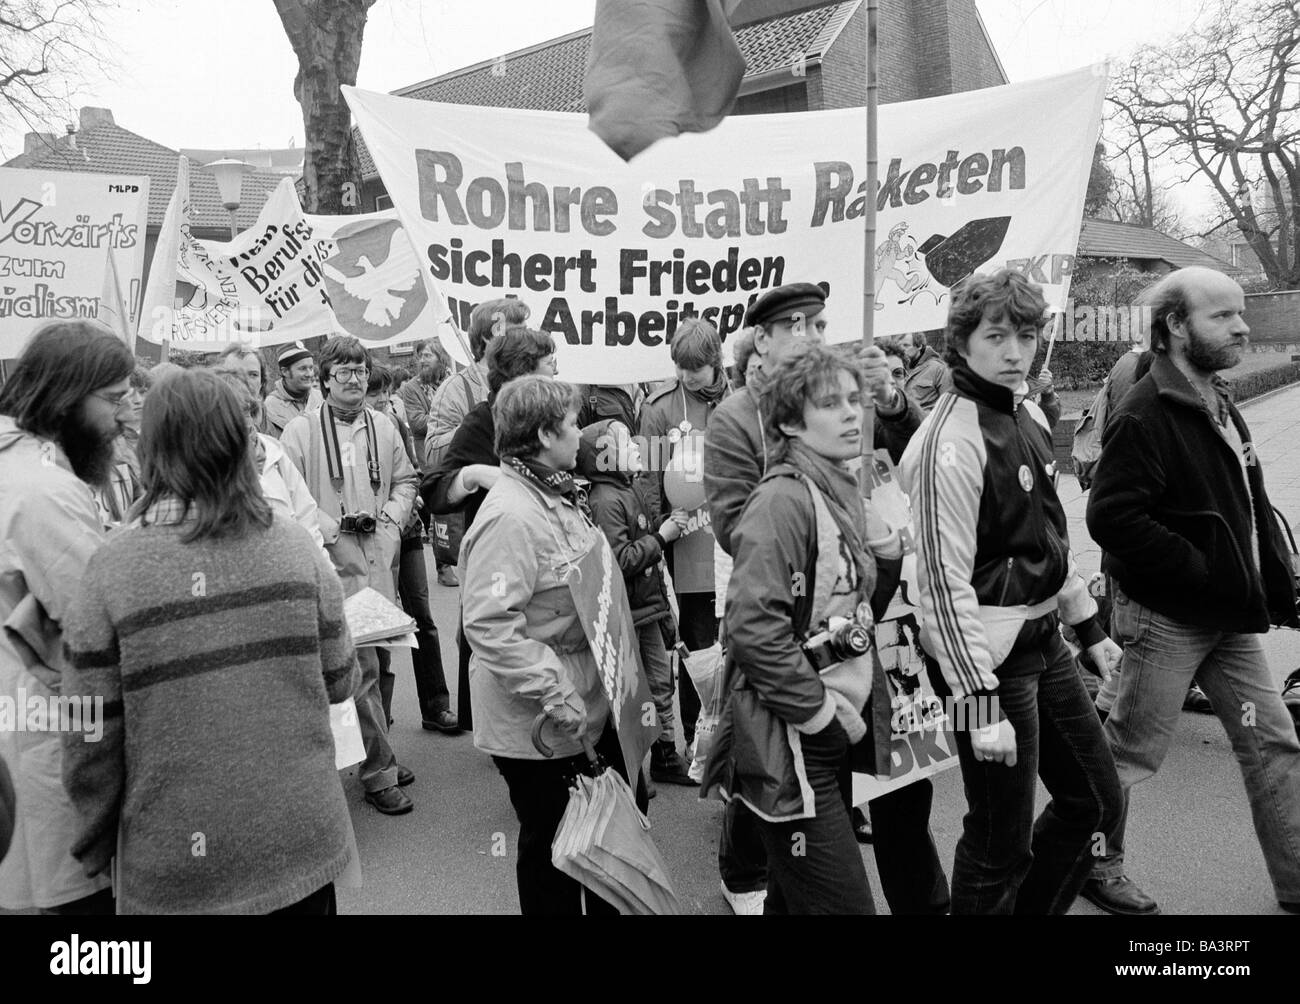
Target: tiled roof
1108,239
549,76
107,148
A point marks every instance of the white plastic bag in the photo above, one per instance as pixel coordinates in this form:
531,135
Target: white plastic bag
705,669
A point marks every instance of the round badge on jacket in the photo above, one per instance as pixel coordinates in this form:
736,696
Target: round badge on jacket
641,521
1026,478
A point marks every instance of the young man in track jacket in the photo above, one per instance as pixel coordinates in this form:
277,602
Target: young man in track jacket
996,578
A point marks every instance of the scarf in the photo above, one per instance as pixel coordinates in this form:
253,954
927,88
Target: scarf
712,394
344,416
552,481
292,396
843,494
844,500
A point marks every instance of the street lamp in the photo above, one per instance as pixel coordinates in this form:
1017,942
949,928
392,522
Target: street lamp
229,175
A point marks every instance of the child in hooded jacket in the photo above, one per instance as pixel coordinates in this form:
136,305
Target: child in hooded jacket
609,458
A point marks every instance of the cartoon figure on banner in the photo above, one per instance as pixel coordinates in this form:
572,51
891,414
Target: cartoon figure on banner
370,282
938,264
913,707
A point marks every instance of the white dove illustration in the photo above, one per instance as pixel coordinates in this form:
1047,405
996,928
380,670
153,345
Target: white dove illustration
377,285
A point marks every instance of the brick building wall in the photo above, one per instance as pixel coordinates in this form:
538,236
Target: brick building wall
927,48
1274,317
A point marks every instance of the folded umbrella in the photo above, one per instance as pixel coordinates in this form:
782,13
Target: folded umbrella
603,841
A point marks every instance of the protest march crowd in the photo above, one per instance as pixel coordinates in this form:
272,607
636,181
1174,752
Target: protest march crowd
176,546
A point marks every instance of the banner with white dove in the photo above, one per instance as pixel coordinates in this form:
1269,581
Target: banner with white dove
294,275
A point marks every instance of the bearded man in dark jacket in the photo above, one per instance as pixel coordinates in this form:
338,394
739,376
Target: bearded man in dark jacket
1179,507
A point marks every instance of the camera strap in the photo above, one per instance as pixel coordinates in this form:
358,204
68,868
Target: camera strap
334,454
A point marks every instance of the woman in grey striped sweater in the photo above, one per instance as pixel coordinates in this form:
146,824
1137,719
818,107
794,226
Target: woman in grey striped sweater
213,632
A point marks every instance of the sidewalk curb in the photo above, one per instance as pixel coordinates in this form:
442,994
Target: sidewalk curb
1265,396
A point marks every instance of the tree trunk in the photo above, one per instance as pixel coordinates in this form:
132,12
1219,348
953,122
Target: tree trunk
326,37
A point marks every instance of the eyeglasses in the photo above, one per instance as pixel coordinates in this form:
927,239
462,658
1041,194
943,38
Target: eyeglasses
116,399
347,376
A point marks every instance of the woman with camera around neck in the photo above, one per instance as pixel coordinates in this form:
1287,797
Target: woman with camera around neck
809,559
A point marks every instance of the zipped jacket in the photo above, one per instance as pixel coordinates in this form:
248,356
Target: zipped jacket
993,551
1170,508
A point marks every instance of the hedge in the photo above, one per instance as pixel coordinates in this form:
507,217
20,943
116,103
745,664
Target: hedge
1259,382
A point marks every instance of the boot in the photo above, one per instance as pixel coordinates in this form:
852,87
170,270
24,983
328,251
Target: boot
667,765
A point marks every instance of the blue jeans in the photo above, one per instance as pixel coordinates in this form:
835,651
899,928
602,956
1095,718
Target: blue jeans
1006,861
1161,658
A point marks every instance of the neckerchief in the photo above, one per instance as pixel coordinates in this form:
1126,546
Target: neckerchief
839,486
343,415
295,397
712,394
552,481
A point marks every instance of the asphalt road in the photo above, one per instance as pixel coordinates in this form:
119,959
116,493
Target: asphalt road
1191,842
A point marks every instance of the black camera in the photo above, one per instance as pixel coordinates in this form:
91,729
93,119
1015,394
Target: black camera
357,522
837,643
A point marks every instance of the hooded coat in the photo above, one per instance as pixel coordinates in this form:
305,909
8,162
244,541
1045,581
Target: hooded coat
622,514
49,528
926,379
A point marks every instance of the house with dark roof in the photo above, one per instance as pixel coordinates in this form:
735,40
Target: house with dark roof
98,145
808,61
1104,242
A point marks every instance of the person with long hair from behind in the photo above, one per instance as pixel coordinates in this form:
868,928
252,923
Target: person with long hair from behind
212,630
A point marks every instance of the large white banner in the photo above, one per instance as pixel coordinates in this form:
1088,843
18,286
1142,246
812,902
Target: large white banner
294,275
611,255
57,230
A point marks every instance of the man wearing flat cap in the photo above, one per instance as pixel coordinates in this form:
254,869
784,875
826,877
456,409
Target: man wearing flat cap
294,393
735,447
735,460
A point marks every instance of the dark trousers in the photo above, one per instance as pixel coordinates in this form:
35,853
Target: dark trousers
814,865
539,792
321,903
698,628
463,712
413,591
911,873
1006,861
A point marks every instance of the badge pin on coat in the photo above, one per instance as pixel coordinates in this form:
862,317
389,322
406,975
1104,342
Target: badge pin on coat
1026,477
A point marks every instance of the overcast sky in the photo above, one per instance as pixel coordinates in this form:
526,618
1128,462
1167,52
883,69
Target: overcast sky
219,73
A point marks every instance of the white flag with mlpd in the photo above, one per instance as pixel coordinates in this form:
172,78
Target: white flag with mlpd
611,255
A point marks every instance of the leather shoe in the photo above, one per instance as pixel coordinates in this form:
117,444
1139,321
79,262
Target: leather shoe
391,801
1119,896
1197,701
405,776
442,721
447,576
668,767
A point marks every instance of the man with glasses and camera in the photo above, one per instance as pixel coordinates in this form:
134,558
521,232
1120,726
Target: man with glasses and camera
356,467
